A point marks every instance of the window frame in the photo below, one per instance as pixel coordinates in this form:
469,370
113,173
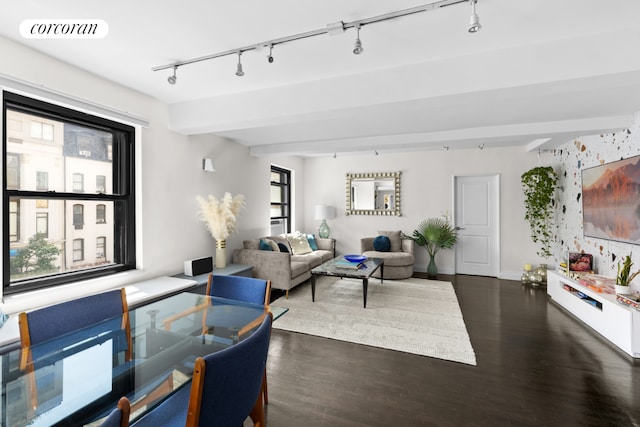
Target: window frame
122,195
285,196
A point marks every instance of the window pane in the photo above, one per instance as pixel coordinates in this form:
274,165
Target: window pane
14,220
42,223
42,181
101,184
52,237
101,214
13,171
275,177
276,194
78,250
36,257
58,148
101,246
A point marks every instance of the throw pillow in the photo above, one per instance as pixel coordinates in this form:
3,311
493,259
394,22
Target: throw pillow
382,244
264,245
283,247
299,243
394,238
312,242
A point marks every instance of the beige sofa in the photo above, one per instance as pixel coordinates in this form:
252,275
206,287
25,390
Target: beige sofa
285,269
398,261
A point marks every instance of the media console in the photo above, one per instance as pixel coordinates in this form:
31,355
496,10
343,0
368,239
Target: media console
616,322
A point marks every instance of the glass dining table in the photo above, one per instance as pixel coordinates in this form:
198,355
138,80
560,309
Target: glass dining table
77,379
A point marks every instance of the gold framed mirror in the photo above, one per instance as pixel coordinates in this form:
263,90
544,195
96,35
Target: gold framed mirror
376,193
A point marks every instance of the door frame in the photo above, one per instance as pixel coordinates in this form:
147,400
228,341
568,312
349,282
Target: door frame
495,182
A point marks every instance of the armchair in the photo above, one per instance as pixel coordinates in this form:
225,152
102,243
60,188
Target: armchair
398,260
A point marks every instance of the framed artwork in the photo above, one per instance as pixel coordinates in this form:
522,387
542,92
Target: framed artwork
611,201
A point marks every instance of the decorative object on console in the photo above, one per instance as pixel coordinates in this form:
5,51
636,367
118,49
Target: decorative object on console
221,218
324,212
195,267
539,185
624,276
580,261
539,275
434,234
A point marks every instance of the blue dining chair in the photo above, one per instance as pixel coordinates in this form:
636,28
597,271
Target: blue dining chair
241,288
225,388
119,417
49,329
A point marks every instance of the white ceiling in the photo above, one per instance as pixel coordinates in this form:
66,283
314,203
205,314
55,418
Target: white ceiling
538,74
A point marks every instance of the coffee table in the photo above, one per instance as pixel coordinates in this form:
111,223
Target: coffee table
330,268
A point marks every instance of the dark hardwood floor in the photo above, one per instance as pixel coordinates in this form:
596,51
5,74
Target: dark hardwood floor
536,366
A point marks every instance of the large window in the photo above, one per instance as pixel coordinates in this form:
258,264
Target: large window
51,157
280,200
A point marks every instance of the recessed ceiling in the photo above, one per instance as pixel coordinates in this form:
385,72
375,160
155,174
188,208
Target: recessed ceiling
537,74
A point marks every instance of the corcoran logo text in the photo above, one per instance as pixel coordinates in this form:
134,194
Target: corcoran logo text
64,28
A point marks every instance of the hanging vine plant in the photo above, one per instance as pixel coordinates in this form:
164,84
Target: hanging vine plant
539,185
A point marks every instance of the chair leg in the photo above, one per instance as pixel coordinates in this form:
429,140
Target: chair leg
163,389
286,294
265,392
257,413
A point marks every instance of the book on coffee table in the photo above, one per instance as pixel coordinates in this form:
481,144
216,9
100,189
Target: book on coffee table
348,265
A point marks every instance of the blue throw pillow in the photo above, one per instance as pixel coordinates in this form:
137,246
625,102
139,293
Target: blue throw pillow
264,246
283,247
312,242
382,244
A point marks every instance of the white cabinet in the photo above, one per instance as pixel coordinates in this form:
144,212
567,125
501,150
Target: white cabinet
616,322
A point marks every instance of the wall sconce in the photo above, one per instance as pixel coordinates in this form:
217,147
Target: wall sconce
207,165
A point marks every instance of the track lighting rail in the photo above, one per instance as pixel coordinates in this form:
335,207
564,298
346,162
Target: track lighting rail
286,39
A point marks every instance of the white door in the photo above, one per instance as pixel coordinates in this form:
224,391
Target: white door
477,217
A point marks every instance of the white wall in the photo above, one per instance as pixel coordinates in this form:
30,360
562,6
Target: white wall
169,177
569,160
426,191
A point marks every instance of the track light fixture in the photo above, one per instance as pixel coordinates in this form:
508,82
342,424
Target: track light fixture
481,146
357,47
239,71
376,152
270,56
445,147
173,79
474,21
331,29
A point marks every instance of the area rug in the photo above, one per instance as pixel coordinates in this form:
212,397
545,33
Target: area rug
416,316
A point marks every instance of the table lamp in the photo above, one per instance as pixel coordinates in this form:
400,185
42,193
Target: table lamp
324,213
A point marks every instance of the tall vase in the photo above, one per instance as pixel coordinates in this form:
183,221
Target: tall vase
221,253
432,268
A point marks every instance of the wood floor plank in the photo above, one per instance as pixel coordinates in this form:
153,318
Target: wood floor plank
536,366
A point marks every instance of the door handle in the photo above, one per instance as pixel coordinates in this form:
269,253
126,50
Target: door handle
459,228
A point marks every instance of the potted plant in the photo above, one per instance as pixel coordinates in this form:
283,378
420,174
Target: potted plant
539,185
434,234
624,276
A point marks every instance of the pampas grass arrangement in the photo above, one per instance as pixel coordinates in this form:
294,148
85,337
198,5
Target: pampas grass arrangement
221,216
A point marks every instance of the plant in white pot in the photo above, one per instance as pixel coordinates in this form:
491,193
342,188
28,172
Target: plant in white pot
221,218
624,276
